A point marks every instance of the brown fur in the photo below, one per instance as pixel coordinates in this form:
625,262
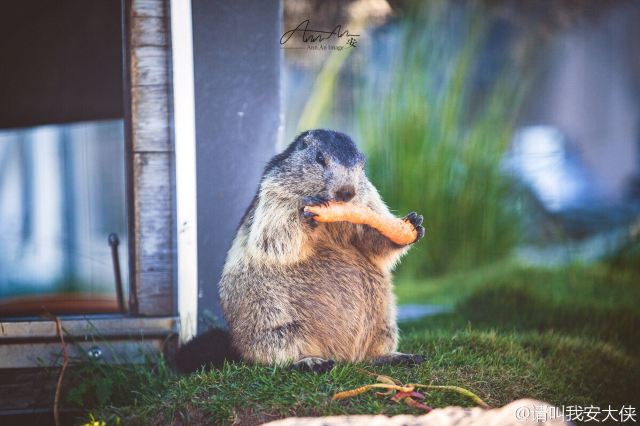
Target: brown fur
292,288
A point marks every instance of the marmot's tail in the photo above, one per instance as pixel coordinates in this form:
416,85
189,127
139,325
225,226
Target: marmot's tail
209,349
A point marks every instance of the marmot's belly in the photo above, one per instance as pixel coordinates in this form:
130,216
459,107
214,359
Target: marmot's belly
343,304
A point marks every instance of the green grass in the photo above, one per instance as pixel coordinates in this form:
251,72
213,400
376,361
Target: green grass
596,301
565,336
597,285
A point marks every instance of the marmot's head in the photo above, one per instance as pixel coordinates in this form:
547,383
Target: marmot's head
320,163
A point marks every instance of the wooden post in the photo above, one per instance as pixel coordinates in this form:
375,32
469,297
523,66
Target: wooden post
153,248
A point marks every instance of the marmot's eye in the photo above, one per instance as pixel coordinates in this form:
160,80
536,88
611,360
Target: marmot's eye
320,159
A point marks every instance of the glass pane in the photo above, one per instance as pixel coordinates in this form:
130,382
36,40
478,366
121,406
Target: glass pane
62,193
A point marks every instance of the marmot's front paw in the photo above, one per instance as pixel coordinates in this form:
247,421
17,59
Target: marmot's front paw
415,219
308,217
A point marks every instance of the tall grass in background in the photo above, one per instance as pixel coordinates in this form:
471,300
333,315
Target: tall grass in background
435,141
434,138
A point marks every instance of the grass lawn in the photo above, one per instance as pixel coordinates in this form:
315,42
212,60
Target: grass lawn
569,337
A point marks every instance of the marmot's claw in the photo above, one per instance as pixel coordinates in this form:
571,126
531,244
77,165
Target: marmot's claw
415,359
313,364
416,219
399,358
308,217
315,201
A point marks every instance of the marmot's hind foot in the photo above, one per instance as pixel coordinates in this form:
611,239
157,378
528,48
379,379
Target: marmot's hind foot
398,358
313,364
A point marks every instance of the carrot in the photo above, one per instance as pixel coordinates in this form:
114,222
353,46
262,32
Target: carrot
397,230
462,391
406,393
363,389
417,404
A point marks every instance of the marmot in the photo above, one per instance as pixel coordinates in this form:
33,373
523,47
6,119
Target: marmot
295,290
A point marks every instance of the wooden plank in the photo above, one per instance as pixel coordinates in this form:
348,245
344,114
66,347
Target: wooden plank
120,351
150,118
148,8
155,252
17,391
107,327
30,352
153,195
149,66
148,31
151,134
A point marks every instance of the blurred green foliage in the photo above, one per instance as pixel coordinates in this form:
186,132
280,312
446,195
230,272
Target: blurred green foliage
434,135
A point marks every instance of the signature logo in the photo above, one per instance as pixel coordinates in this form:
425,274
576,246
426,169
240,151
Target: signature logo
316,38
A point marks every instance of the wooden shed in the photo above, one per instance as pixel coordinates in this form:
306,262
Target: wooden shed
132,137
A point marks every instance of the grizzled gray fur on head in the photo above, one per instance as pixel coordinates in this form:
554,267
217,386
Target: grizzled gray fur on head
328,162
326,143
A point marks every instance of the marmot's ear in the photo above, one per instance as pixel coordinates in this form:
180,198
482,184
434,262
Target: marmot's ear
303,144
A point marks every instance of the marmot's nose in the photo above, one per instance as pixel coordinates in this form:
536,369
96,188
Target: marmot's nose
345,193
